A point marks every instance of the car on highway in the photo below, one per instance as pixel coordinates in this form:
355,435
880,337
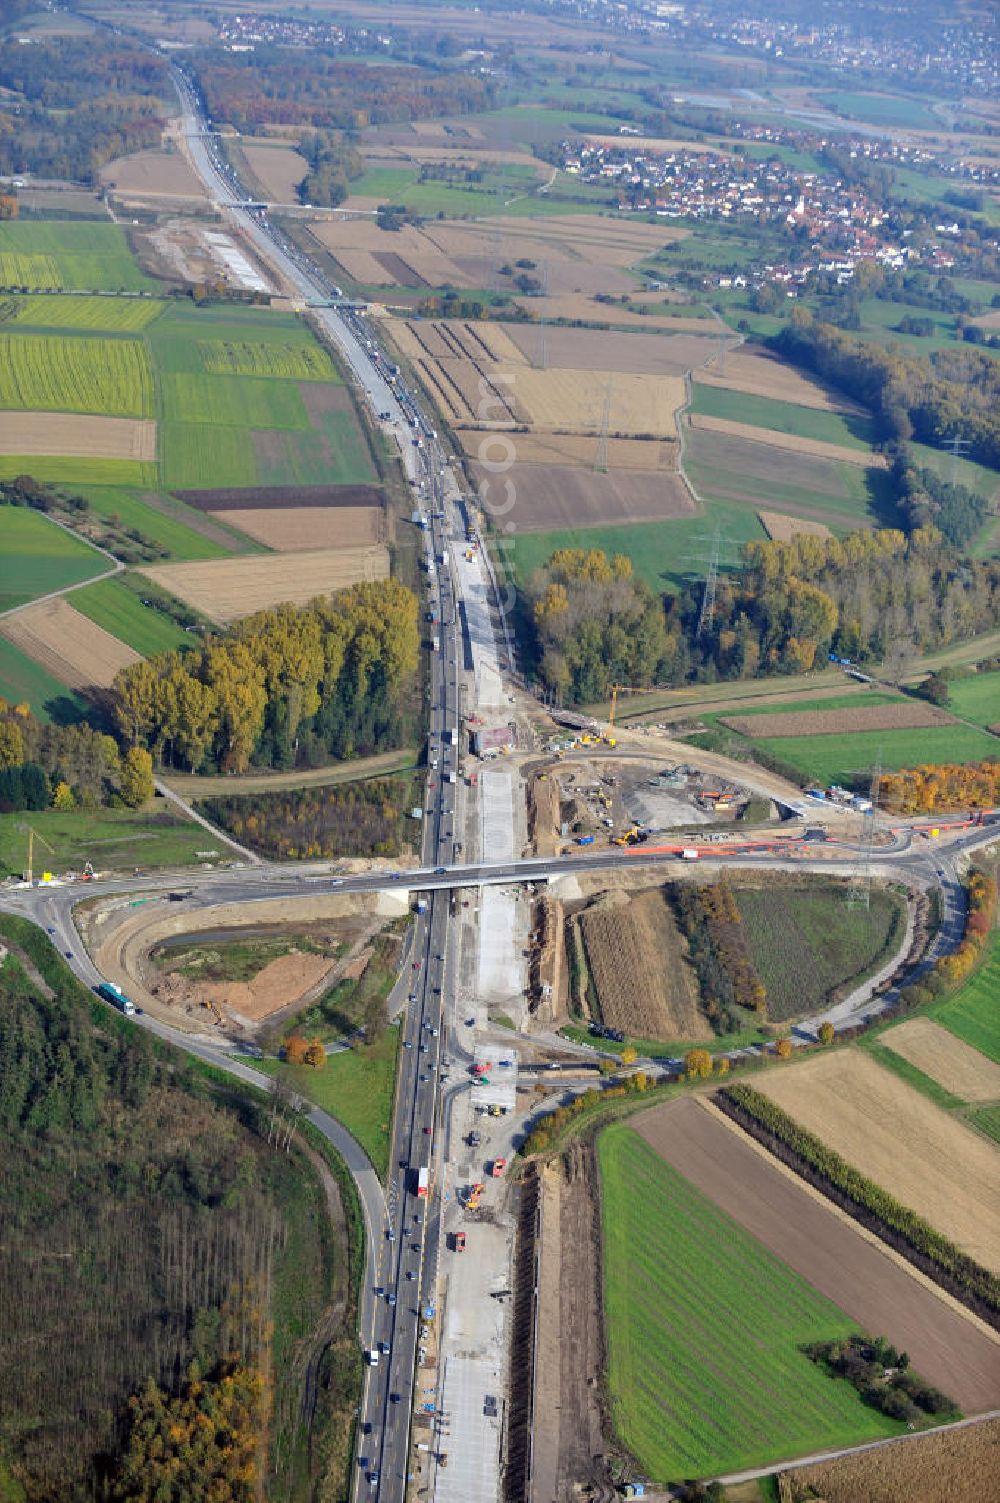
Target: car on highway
411,1273
390,1298
440,871
407,1044
425,1077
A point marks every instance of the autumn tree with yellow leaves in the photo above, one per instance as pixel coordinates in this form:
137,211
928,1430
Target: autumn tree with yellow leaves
286,686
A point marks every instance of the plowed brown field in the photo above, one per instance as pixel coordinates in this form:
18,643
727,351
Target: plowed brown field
946,1347
73,648
555,496
570,449
926,1158
947,1059
904,716
637,961
294,529
51,433
224,589
278,168
667,355
788,442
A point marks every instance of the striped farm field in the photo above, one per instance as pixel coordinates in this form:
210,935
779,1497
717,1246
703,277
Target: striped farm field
194,455
81,374
71,255
973,1013
114,315
224,589
50,434
705,1330
844,430
37,556
71,647
77,470
112,605
296,362
954,1064
893,1134
904,715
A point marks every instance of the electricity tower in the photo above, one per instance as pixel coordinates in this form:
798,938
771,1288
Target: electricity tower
707,613
957,448
859,890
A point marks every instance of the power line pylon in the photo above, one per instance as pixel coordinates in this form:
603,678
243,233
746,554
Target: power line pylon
957,447
859,891
707,613
601,457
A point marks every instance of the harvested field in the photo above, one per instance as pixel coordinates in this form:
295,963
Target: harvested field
224,589
953,1064
635,354
67,644
637,960
362,266
782,529
153,174
831,1252
578,305
268,497
642,406
950,1467
765,375
570,449
928,1160
93,437
551,496
294,529
789,442
904,716
278,168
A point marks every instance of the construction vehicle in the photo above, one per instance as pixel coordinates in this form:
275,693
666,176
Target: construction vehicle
33,835
585,840
458,1242
632,836
690,855
497,1168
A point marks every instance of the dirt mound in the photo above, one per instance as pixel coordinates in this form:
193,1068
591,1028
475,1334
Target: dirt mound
277,985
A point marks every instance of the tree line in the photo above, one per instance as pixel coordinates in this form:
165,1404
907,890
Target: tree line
927,397
334,162
285,687
86,100
871,597
357,819
865,1200
941,788
280,86
66,766
718,949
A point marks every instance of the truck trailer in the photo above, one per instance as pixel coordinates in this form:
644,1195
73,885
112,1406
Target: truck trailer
423,1181
114,994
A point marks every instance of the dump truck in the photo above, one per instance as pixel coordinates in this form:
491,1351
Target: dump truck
114,994
458,1242
497,1168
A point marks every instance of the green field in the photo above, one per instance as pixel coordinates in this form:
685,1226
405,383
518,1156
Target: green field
986,1119
973,1013
664,554
806,941
78,470
171,532
54,373
783,417
195,456
836,759
38,557
121,612
334,453
105,314
75,256
357,1086
23,681
112,839
977,699
231,401
243,357
705,1329
880,109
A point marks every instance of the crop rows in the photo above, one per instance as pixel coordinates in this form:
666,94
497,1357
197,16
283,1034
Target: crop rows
17,270
867,1201
705,1330
116,314
296,362
55,374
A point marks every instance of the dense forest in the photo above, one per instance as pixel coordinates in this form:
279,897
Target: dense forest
66,766
333,164
275,86
872,596
84,101
368,818
596,624
932,398
285,687
162,1222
